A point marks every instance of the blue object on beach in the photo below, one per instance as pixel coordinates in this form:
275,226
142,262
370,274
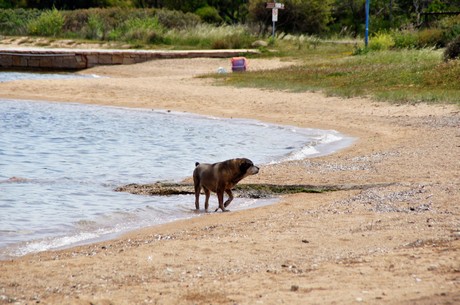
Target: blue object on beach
239,64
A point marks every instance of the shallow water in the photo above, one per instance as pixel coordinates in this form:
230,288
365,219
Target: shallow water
59,164
9,76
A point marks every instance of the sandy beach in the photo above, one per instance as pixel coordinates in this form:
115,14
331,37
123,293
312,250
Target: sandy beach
395,241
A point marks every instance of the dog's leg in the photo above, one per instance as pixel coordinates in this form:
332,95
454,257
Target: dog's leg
197,197
220,197
230,198
206,202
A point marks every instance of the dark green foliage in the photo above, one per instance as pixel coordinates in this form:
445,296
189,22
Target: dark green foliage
300,17
453,50
404,39
209,14
14,22
49,23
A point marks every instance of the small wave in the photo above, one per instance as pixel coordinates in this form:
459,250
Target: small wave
320,145
303,153
56,242
330,138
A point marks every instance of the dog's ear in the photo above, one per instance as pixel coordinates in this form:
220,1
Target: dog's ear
245,165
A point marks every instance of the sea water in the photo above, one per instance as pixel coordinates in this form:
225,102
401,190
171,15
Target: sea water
59,164
9,76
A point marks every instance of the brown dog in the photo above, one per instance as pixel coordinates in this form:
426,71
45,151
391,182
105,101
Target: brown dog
219,178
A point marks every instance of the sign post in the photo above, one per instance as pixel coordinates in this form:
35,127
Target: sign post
275,7
366,30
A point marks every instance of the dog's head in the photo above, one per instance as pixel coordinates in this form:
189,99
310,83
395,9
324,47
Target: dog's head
247,167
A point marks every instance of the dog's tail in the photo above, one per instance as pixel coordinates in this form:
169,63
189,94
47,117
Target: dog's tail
197,163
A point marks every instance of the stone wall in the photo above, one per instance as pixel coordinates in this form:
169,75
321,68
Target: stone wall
71,59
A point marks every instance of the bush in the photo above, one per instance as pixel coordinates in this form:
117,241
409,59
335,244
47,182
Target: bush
15,22
408,39
430,38
234,41
94,28
381,42
209,14
139,30
177,20
450,27
404,39
49,23
453,49
75,20
208,36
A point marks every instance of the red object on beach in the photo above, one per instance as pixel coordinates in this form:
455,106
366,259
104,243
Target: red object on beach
239,64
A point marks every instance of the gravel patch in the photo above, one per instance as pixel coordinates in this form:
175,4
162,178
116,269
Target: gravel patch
358,163
412,198
431,121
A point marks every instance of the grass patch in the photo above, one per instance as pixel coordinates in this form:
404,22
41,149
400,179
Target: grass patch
407,75
210,37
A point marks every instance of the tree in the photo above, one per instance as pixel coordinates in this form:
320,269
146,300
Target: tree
259,15
231,11
12,3
186,6
299,16
76,4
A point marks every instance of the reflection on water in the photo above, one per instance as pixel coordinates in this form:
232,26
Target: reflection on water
60,162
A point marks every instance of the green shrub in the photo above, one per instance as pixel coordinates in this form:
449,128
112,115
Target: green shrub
94,28
234,41
176,19
209,14
360,50
450,27
404,39
49,23
15,22
453,49
208,36
451,33
430,38
381,42
75,20
139,30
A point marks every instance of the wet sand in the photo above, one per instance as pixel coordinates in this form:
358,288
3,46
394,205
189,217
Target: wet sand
394,243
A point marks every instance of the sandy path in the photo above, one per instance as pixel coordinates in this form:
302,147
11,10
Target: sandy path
391,245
